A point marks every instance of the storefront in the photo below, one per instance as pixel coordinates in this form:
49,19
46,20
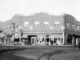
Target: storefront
71,37
44,29
45,39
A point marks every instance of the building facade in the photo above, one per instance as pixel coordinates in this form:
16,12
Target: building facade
45,29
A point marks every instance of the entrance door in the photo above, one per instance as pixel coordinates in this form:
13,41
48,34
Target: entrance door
33,40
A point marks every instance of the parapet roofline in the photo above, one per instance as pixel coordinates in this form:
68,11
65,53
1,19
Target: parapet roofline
40,13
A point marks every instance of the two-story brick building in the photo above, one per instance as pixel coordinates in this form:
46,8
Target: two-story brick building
45,29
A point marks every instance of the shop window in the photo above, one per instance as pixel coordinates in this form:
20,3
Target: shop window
55,39
16,39
47,39
59,39
43,39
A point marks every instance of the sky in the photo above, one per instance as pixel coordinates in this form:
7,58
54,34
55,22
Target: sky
8,8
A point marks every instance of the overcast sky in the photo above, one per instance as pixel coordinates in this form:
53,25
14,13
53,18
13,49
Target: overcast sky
8,8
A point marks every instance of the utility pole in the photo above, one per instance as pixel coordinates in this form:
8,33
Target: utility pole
21,33
13,29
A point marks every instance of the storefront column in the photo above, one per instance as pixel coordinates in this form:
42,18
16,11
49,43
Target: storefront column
65,38
20,40
73,40
77,41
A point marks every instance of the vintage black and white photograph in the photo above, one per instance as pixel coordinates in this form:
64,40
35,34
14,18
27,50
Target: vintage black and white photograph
39,29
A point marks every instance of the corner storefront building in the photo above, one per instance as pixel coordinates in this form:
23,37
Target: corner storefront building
45,29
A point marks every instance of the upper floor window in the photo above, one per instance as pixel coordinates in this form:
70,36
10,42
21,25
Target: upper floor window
68,25
57,23
37,23
46,23
77,27
26,23
73,26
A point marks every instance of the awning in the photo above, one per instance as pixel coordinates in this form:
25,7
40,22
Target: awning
71,32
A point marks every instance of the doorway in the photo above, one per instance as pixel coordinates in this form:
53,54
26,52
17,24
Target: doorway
31,39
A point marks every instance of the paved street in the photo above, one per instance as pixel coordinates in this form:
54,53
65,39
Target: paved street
47,53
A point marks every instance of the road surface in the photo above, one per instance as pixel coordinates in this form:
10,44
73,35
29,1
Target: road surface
42,54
